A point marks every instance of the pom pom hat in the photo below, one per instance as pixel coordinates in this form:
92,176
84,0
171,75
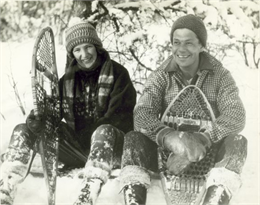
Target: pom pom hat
81,32
192,23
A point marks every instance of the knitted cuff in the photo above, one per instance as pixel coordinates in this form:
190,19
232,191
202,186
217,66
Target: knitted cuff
97,170
133,174
161,135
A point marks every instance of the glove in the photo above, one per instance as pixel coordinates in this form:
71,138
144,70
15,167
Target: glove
170,140
185,147
35,123
196,145
177,164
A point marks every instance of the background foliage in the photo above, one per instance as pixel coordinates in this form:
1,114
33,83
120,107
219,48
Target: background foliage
136,33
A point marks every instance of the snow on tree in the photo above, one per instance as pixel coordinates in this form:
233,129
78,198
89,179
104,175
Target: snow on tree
137,35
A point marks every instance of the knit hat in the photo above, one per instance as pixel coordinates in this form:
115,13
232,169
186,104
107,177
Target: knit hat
192,23
81,32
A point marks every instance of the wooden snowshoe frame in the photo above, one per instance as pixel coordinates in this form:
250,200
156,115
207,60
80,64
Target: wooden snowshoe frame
46,105
189,111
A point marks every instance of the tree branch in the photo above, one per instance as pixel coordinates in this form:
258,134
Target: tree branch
137,59
16,92
99,16
2,116
249,42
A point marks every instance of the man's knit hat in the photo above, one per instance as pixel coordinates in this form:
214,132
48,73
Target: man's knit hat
81,32
192,23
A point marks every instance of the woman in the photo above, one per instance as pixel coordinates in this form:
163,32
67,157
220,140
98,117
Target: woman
97,101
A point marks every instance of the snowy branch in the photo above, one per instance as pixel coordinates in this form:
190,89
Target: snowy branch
137,59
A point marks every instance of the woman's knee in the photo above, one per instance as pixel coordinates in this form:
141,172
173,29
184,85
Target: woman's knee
106,132
105,126
21,142
22,132
21,127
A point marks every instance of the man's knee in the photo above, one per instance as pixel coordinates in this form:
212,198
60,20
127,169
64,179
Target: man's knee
139,150
134,138
236,140
232,153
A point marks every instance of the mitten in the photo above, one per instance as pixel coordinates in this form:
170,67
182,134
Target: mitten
176,164
170,140
196,145
35,123
185,148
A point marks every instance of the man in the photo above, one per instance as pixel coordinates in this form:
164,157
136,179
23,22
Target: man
188,64
97,101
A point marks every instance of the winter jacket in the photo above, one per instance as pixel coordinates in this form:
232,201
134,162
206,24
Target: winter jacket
213,79
78,109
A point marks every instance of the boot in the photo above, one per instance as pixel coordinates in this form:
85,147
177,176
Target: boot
89,192
216,195
135,194
16,163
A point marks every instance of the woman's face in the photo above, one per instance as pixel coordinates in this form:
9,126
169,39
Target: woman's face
186,48
85,54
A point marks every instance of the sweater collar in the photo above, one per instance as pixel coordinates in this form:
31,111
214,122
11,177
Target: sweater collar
204,64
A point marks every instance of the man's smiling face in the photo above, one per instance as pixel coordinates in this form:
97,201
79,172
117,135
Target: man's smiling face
186,48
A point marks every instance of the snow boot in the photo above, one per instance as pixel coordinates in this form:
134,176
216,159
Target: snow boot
216,195
89,191
16,163
135,194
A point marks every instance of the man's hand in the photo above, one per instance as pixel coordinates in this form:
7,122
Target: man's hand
177,164
196,144
186,147
35,123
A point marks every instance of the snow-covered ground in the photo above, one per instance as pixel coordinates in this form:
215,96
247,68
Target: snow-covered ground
16,57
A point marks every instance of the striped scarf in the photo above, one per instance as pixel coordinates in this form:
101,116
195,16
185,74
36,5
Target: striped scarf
105,83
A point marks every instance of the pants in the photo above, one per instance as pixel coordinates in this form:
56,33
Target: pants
140,157
105,151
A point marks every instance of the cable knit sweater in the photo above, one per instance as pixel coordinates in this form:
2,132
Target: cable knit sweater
214,80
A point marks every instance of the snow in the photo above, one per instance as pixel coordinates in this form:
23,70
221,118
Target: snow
129,39
16,58
32,190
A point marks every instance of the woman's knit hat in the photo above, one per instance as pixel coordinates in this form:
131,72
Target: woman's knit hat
192,23
81,32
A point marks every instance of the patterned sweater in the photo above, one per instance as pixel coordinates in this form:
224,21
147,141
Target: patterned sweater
79,99
213,79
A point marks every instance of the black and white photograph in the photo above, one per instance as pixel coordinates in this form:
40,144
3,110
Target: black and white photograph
129,102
